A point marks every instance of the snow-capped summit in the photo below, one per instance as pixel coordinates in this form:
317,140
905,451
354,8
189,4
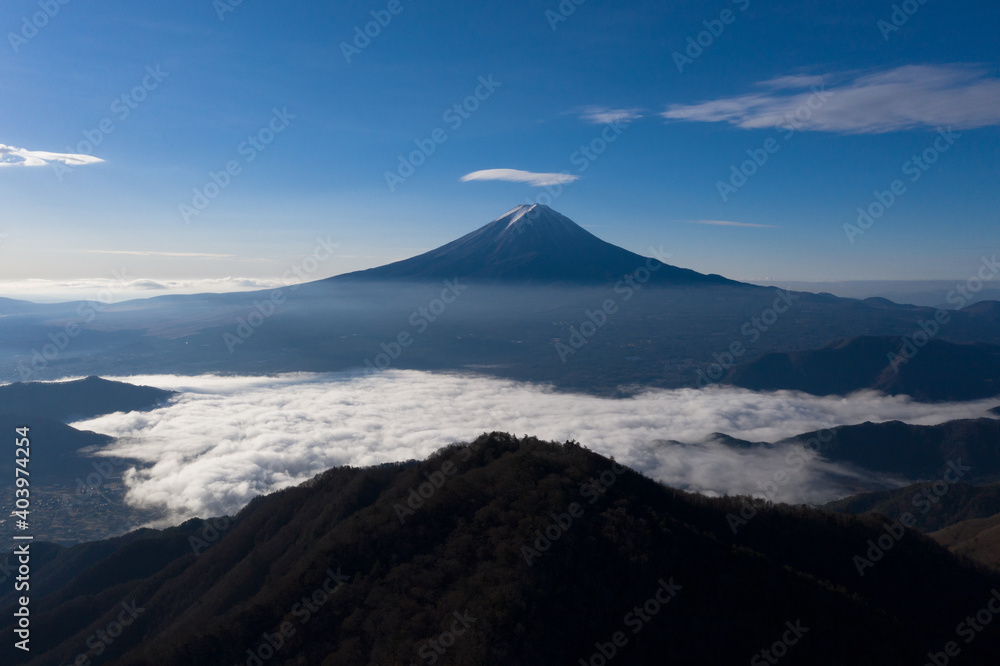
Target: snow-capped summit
530,244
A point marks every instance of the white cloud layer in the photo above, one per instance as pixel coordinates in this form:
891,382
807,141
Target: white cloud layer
227,439
19,157
909,97
516,176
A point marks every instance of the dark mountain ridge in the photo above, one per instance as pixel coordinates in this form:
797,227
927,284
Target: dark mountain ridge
935,507
78,400
545,554
936,370
914,451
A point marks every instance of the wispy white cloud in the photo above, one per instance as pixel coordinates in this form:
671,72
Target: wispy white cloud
795,81
228,439
146,253
909,97
516,176
727,223
19,157
52,291
600,115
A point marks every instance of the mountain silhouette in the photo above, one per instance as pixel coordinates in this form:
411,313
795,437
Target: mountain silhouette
529,552
533,244
78,399
933,370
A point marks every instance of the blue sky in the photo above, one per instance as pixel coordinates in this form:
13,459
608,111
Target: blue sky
197,78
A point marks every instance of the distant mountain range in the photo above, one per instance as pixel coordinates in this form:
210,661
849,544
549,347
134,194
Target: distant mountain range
924,369
500,552
526,288
533,244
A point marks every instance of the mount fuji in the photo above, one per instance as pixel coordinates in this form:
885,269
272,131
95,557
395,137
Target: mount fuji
536,245
537,277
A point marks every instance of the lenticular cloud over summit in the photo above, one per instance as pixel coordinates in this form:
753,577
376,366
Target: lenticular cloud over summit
228,439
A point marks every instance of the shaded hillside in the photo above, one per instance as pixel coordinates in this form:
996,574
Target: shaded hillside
904,450
77,400
939,370
55,451
89,566
355,567
977,539
913,451
933,506
75,495
985,310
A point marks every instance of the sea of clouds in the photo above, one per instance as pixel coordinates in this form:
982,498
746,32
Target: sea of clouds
224,440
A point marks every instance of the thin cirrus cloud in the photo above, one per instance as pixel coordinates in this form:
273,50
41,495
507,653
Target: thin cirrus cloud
516,176
146,253
795,81
226,439
905,98
727,223
19,157
56,291
600,115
